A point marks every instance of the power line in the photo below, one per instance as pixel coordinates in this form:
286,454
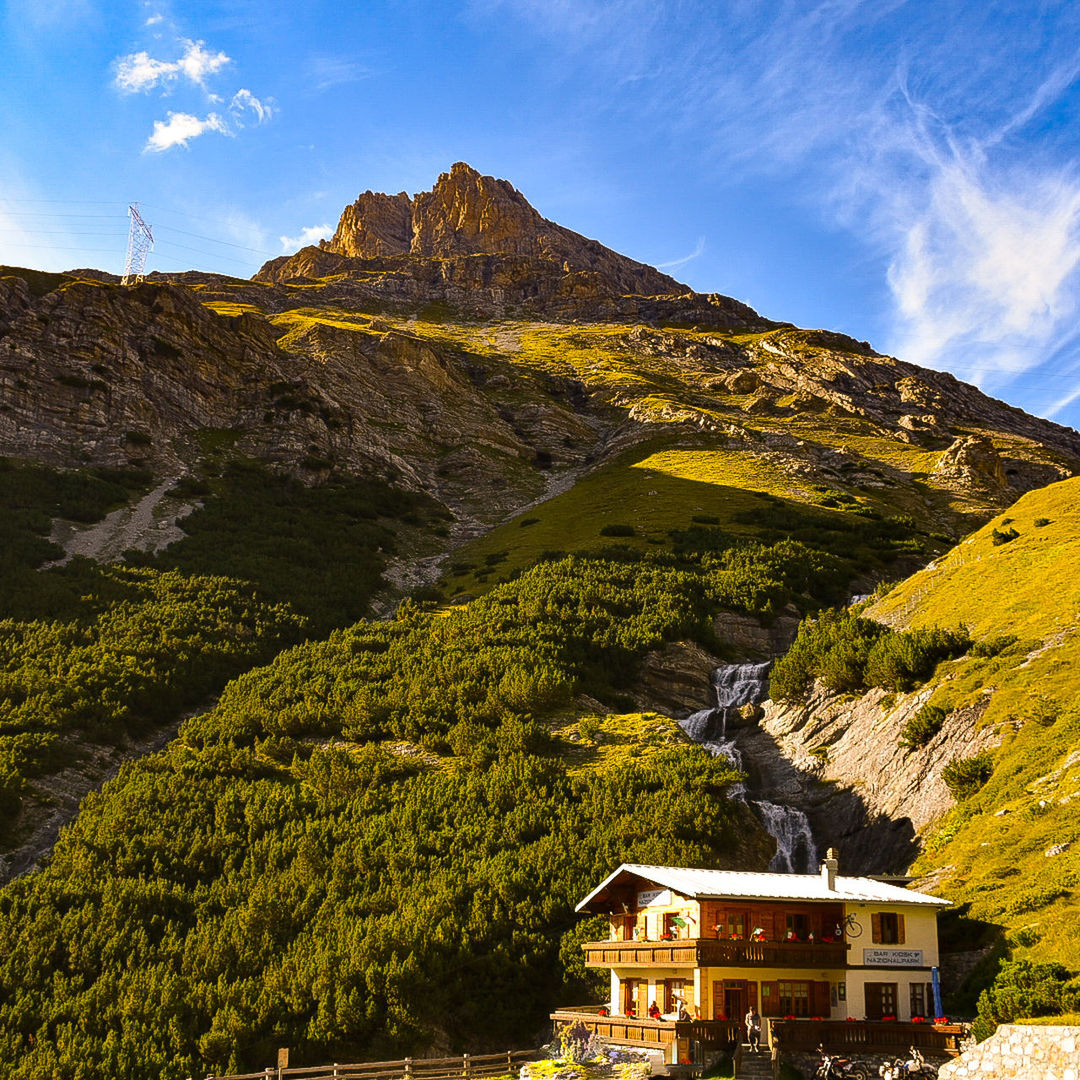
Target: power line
214,240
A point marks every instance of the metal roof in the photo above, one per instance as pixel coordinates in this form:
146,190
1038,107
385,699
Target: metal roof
741,885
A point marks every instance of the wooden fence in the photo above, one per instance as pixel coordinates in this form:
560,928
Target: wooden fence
466,1067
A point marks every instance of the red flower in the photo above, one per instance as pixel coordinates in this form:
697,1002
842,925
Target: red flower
941,1019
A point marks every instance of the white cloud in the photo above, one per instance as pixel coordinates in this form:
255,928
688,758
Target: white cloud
312,234
245,101
140,71
197,63
179,128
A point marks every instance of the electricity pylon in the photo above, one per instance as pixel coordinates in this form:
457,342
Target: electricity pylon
140,244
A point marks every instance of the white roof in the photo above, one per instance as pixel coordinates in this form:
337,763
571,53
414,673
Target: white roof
737,884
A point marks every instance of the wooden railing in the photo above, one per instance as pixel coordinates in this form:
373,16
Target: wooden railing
453,1068
641,1031
855,1036
715,952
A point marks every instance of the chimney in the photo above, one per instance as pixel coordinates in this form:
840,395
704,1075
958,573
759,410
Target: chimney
829,868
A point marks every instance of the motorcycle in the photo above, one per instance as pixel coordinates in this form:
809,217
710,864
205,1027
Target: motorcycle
834,1067
914,1068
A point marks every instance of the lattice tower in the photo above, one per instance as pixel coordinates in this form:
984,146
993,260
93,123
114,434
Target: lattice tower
140,244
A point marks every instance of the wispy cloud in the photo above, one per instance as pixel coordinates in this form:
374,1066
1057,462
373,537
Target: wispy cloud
244,102
327,72
699,250
140,72
311,234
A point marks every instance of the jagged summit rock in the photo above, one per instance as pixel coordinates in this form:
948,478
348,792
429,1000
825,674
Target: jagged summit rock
466,213
475,243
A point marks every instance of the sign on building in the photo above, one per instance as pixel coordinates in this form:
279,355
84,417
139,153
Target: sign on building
893,957
649,897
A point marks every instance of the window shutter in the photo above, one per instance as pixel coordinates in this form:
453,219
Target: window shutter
820,1000
751,994
875,928
900,930
770,999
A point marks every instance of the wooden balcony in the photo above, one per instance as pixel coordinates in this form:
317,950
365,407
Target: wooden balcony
714,952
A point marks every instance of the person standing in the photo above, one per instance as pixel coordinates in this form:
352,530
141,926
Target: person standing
753,1029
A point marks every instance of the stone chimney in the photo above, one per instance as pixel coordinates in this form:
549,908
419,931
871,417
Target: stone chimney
829,868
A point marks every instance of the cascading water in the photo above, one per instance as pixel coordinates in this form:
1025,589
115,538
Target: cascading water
796,852
737,685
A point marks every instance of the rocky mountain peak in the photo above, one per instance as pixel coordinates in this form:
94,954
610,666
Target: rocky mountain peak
466,213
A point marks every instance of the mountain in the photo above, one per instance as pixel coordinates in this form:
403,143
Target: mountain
378,583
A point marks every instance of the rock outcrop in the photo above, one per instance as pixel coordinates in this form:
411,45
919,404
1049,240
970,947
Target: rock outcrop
972,462
838,758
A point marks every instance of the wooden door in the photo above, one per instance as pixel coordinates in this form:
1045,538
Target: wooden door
880,1000
735,999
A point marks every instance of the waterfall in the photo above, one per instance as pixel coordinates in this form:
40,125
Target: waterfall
742,684
796,852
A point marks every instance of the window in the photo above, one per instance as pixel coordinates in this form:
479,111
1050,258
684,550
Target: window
674,994
887,928
918,999
736,925
798,928
794,998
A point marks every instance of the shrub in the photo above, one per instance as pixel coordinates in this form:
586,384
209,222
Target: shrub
993,646
832,648
618,530
1041,522
900,661
1023,989
965,776
922,727
1003,536
848,653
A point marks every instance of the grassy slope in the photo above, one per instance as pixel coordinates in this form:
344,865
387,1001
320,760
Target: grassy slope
990,851
1027,586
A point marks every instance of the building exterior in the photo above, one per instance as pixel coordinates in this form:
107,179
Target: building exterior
708,945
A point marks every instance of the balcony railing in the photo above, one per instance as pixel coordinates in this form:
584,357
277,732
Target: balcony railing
715,952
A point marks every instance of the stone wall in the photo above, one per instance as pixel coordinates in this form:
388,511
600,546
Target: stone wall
1017,1050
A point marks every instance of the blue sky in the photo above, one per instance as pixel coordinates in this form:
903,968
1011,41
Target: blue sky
904,172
